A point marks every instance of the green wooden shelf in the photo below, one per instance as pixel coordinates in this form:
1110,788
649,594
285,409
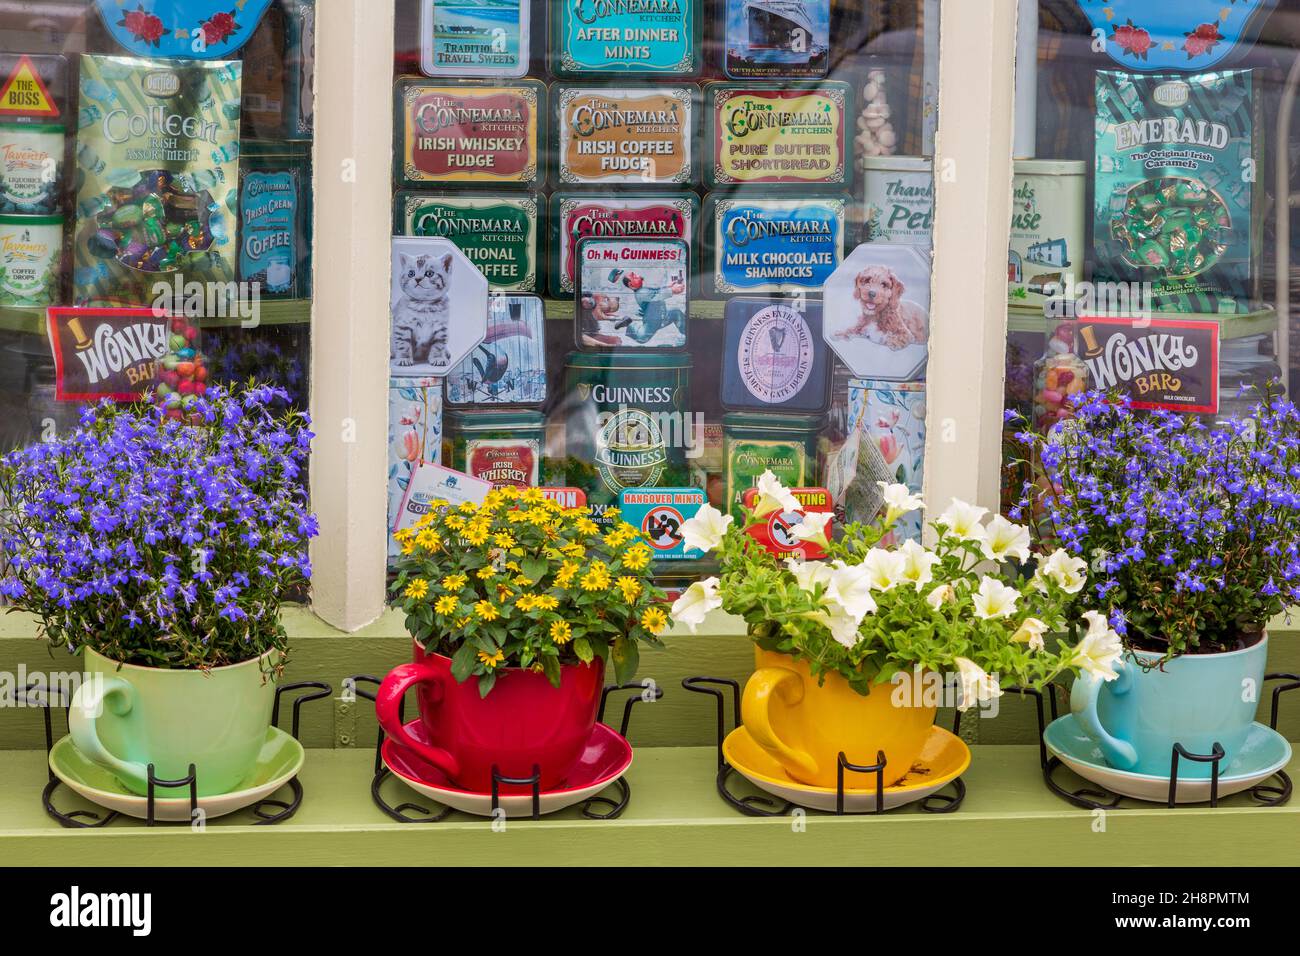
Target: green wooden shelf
1260,322
272,312
675,817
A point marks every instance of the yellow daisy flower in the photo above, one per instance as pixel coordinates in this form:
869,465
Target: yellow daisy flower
561,632
455,522
485,572
447,604
504,540
490,661
630,587
545,602
533,496
486,611
636,557
564,576
597,579
453,582
526,602
588,527
654,620
417,588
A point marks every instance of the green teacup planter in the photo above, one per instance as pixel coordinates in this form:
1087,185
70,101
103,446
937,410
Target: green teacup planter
1191,536
159,547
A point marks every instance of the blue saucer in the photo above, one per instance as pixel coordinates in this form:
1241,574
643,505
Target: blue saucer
1263,754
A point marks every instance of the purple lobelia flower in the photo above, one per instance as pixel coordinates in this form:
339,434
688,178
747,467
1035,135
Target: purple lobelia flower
159,542
1192,531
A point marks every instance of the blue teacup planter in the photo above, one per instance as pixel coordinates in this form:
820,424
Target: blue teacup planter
182,29
1196,700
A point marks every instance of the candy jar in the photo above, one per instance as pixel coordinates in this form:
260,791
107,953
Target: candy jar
1058,376
184,373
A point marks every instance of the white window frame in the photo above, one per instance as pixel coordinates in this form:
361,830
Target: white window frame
349,341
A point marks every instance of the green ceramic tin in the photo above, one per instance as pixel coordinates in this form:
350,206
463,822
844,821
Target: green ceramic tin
753,443
626,422
503,446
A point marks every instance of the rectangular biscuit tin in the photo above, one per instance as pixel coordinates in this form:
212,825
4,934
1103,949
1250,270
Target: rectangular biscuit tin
659,513
1047,229
655,37
578,216
777,39
625,135
509,366
491,134
772,245
774,357
498,232
632,294
777,134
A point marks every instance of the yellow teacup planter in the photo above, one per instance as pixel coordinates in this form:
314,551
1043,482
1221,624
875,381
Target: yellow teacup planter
804,724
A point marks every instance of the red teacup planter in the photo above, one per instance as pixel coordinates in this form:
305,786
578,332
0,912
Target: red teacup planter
524,722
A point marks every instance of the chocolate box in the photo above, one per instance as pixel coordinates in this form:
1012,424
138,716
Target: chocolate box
762,245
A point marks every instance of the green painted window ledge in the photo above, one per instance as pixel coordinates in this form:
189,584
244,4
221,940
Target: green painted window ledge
681,719
675,815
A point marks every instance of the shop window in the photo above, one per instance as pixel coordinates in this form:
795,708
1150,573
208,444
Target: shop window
154,156
664,246
1155,179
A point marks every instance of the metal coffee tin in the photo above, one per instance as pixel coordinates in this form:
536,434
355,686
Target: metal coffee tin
753,443
647,37
774,357
578,216
509,366
498,232
468,132
503,446
761,245
786,134
626,422
633,294
625,135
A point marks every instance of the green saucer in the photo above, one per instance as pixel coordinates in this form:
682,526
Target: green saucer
278,762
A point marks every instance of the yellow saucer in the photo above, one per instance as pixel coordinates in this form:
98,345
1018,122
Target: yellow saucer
943,758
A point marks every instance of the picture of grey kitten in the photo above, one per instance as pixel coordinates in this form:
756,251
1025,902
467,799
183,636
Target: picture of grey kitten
422,316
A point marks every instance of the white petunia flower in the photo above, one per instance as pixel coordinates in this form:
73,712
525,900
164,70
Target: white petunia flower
898,501
812,528
773,496
963,520
850,588
976,685
1068,572
885,568
842,625
704,531
1030,632
1004,540
809,574
918,564
1100,648
994,599
696,602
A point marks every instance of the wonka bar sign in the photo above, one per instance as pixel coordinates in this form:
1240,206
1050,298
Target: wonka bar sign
1161,363
106,353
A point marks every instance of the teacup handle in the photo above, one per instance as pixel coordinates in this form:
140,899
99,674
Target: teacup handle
755,712
88,703
1083,704
388,703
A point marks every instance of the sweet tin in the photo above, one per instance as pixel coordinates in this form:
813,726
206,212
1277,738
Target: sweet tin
498,232
1047,229
31,168
774,357
438,306
660,37
1172,206
474,37
30,251
887,423
509,367
877,317
414,435
753,443
501,446
182,29
774,532
773,245
659,513
782,134
158,174
632,294
618,135
576,216
774,39
489,134
898,198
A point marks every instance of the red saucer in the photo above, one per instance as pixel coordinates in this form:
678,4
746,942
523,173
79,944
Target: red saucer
604,759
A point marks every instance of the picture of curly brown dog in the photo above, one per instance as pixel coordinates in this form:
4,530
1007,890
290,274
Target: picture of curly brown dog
886,317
